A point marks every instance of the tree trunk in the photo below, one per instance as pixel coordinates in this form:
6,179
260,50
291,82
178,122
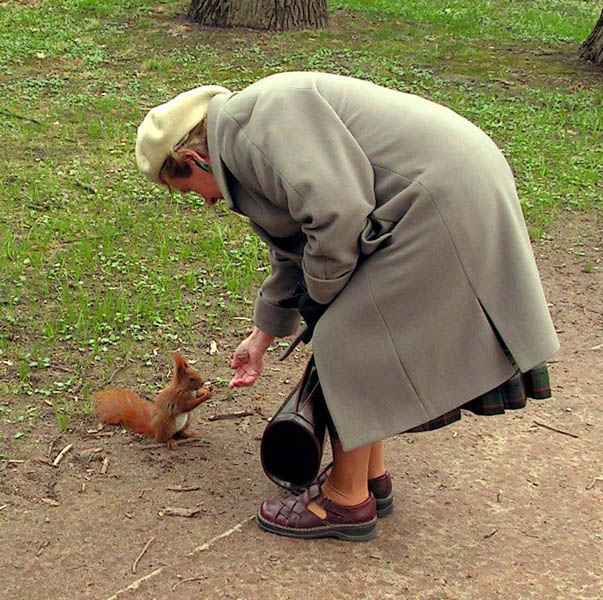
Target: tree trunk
275,15
592,48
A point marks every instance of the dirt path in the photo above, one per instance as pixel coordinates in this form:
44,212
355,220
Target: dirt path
486,508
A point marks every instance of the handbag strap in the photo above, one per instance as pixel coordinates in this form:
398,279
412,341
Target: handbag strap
309,383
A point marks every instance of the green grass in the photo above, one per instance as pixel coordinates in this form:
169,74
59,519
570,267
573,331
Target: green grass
97,265
539,20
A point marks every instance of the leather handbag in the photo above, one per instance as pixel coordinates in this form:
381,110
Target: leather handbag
292,443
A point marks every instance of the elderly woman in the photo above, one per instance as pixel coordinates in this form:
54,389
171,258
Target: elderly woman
400,222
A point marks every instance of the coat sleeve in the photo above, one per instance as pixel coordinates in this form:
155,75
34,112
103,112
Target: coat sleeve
303,155
272,313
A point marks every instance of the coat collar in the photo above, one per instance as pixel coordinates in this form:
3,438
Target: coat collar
214,142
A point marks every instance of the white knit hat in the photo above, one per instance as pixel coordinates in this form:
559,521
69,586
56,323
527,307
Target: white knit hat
169,123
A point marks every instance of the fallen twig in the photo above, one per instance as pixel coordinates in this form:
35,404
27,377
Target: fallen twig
3,506
87,451
61,455
174,511
188,580
146,547
594,482
179,488
85,186
8,113
105,465
12,461
176,442
555,429
50,501
233,415
232,530
51,448
489,535
530,535
118,370
136,584
42,546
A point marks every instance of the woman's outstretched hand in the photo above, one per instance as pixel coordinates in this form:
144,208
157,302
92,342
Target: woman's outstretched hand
248,358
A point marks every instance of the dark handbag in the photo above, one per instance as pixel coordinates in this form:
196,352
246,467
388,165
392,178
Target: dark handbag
292,444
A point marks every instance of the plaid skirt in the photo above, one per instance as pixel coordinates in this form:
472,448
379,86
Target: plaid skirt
510,395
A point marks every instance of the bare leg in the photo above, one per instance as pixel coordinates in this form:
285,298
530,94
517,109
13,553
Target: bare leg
376,466
347,482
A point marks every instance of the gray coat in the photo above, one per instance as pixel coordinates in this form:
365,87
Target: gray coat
405,216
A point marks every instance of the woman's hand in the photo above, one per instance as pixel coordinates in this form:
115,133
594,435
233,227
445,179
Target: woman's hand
248,358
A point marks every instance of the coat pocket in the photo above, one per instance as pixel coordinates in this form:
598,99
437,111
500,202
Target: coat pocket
375,235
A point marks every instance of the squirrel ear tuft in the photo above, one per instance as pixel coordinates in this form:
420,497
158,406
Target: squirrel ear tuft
179,362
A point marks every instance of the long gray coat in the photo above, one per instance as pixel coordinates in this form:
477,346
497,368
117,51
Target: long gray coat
405,216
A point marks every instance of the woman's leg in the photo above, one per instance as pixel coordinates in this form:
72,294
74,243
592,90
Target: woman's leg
376,466
347,481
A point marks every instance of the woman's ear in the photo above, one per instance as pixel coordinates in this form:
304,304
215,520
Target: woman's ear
204,166
194,158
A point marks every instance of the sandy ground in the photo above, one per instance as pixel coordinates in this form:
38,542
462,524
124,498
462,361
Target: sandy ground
499,507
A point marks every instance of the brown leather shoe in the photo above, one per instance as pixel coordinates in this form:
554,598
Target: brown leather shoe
381,488
290,517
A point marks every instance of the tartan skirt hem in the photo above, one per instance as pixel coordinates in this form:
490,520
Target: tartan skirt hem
510,395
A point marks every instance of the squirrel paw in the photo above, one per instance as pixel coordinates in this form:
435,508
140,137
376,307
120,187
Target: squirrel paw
203,394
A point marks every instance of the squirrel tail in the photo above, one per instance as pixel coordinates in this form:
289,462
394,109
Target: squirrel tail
120,406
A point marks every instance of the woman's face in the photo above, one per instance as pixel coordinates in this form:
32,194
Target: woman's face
199,181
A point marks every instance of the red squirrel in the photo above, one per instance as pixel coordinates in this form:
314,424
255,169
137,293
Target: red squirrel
162,419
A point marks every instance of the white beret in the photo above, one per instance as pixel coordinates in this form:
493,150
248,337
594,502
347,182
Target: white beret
169,123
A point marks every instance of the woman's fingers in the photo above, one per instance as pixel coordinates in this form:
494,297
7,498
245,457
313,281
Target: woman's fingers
240,357
247,362
244,378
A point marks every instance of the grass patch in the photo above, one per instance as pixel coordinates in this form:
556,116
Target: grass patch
98,267
540,20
